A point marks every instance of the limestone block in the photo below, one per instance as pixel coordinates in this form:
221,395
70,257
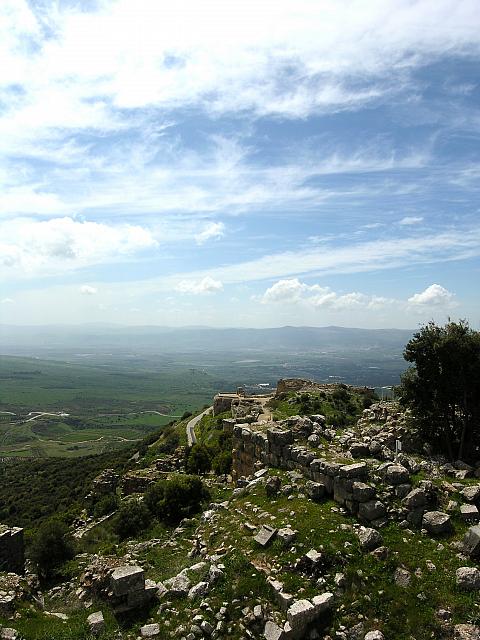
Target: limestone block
127,579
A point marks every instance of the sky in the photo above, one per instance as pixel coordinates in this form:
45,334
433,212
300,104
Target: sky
255,163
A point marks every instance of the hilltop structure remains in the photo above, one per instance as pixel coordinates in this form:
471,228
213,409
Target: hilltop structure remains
12,549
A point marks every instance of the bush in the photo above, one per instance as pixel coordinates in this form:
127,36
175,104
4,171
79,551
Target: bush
174,499
52,546
222,463
199,459
105,505
132,517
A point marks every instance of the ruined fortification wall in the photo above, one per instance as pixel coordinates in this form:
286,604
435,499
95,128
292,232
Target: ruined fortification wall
287,385
12,549
347,484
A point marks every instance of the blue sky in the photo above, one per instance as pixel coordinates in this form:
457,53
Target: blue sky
239,163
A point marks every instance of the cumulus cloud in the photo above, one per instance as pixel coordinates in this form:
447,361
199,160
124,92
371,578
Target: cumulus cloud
6,301
292,291
87,290
434,295
212,231
196,287
409,220
60,244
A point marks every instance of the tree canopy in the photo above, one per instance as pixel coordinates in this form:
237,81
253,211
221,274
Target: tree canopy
443,386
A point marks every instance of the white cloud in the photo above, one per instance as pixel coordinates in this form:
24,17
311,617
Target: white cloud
409,220
434,295
206,285
292,291
6,301
87,290
59,244
212,231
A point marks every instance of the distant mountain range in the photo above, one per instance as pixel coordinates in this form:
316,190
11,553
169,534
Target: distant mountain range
168,339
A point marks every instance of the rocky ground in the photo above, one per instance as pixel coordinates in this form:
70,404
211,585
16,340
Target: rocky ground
347,538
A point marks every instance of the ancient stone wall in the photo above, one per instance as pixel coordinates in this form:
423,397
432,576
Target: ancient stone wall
12,549
287,385
223,402
346,484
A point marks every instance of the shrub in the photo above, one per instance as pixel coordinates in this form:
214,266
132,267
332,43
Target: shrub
52,546
105,505
132,517
174,499
198,459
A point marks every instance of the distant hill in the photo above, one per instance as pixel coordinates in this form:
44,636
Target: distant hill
17,339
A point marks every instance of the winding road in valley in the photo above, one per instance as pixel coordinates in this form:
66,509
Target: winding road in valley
191,437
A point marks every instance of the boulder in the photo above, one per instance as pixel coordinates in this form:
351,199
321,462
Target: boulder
265,535
315,490
198,590
96,623
273,631
436,522
471,542
469,512
371,510
362,492
150,630
466,632
127,579
468,578
374,635
416,498
300,614
354,471
286,535
471,493
178,585
396,474
369,538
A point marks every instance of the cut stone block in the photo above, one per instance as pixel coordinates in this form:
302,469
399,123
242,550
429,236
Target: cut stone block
265,535
127,579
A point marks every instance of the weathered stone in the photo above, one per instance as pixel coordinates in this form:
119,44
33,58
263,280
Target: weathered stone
396,474
362,492
436,522
178,585
7,633
401,577
469,512
273,631
272,486
265,535
198,590
374,635
371,510
96,623
369,538
150,630
315,490
322,603
468,578
416,498
466,632
354,471
471,542
300,614
126,579
359,450
286,535
472,493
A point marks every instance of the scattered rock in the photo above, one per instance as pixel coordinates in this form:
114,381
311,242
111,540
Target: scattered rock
468,578
96,623
436,522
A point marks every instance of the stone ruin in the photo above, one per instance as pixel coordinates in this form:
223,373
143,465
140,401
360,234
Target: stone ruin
12,549
123,586
105,483
299,385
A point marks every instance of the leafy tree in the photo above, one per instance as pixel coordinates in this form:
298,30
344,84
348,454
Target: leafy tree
105,505
199,459
443,386
132,517
174,499
222,462
52,546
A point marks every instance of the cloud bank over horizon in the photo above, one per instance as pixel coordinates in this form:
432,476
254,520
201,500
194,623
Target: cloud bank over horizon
239,163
